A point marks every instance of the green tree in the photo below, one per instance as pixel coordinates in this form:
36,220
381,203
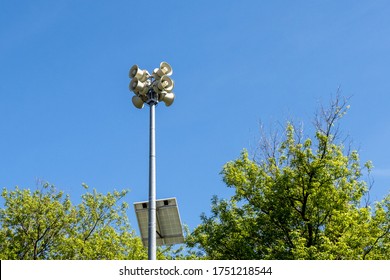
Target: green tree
44,224
299,198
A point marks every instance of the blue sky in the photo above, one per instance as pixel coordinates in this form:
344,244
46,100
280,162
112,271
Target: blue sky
66,115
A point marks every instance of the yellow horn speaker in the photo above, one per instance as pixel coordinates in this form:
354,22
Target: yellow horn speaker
164,84
138,102
136,72
137,86
168,98
165,69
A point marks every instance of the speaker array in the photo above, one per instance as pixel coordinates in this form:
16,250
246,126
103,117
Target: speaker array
155,88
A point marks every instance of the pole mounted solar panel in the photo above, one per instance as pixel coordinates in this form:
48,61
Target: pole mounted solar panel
169,229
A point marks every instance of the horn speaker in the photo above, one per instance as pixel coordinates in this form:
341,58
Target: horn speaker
138,102
165,69
136,72
168,98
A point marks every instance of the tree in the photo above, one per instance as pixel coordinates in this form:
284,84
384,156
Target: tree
44,224
299,198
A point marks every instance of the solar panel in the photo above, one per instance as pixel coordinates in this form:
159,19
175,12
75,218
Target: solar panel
168,224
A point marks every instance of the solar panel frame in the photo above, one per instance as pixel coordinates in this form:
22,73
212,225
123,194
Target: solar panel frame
169,229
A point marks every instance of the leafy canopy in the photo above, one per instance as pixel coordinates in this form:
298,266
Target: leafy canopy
44,224
301,198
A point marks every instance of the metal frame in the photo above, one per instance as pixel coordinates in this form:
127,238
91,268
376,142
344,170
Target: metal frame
168,229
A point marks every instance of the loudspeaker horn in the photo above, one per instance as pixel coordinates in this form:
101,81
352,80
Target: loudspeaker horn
138,87
165,84
137,102
136,72
168,98
165,69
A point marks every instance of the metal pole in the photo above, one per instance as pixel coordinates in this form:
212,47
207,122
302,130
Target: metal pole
152,186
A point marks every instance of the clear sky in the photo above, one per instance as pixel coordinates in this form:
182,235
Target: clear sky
66,115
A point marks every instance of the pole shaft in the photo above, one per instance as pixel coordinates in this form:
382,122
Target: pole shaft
152,187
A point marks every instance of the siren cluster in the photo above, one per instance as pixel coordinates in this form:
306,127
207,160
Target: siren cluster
151,89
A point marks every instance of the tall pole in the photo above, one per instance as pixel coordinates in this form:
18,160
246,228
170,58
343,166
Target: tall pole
151,89
152,186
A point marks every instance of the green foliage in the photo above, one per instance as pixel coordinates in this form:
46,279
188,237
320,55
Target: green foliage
44,224
304,199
